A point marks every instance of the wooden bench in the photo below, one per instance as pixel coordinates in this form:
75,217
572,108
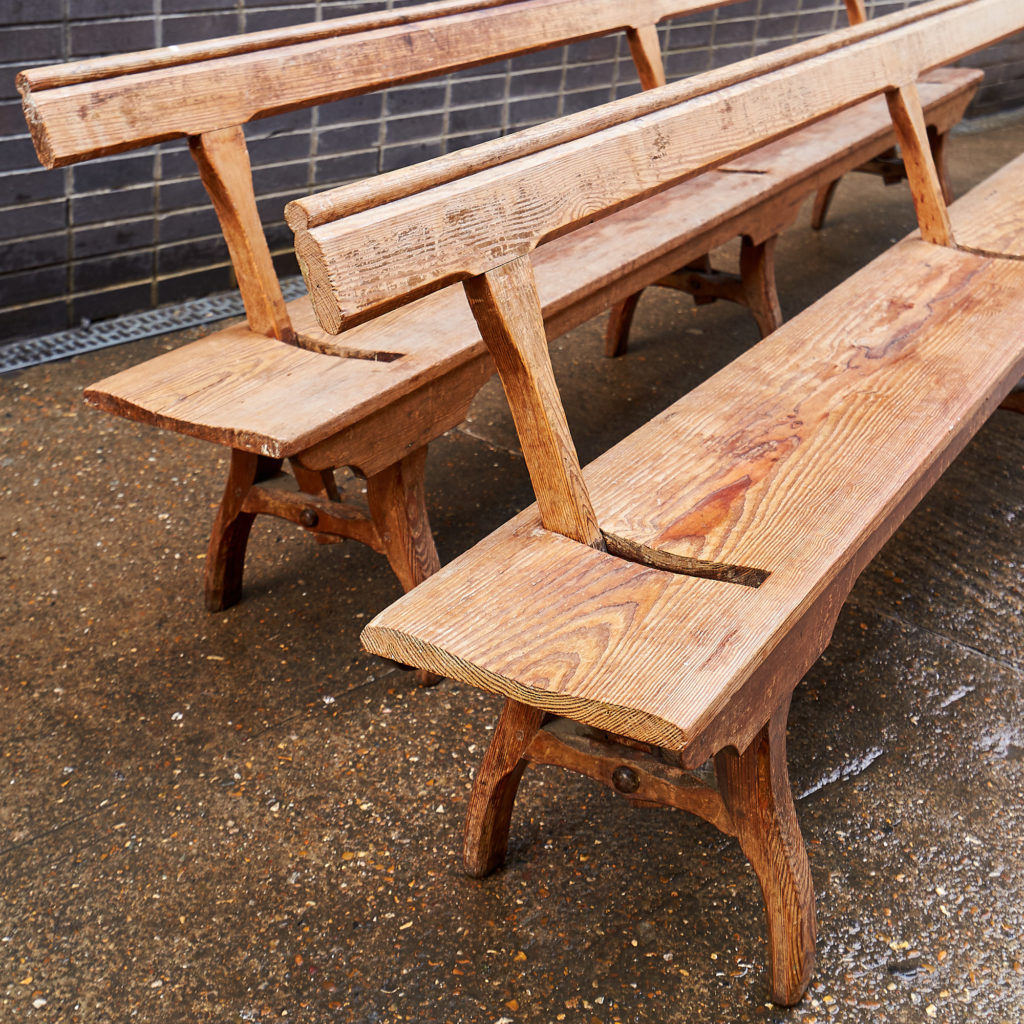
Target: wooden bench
375,403
658,609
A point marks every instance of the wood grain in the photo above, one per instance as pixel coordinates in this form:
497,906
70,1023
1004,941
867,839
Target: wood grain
988,218
925,184
223,161
324,207
369,262
846,409
508,312
83,112
246,392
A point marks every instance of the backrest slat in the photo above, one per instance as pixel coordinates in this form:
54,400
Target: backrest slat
380,258
333,204
72,122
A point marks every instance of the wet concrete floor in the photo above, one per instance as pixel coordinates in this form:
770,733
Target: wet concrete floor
241,817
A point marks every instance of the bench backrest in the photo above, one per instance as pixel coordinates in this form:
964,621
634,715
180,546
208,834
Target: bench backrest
206,91
481,227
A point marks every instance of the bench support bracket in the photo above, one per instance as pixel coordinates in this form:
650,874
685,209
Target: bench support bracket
748,796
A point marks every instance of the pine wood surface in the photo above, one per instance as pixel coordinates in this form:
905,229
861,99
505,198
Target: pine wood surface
325,207
844,411
245,391
990,218
83,112
368,262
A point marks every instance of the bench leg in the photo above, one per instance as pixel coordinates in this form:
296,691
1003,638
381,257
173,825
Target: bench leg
620,320
755,788
937,144
399,511
757,271
225,556
822,202
485,841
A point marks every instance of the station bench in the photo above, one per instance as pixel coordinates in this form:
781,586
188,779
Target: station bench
375,403
656,610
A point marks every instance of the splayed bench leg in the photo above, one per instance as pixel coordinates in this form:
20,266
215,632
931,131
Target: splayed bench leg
755,788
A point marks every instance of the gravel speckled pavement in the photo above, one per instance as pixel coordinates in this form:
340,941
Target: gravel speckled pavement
241,817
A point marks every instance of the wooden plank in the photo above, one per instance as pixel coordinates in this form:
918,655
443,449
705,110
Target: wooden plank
922,175
990,218
324,207
244,392
223,161
229,83
805,477
507,311
371,261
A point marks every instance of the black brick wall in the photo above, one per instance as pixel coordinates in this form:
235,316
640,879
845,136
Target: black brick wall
125,233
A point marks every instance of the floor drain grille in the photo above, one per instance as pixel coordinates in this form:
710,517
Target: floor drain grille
132,327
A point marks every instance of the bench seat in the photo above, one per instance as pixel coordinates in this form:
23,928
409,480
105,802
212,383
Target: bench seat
990,218
791,460
258,395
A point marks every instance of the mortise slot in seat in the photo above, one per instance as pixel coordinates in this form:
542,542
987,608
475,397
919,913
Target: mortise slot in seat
682,565
331,347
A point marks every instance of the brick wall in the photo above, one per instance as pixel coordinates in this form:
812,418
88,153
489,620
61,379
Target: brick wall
125,233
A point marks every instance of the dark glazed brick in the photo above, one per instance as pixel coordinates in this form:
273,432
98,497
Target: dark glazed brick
33,321
37,44
23,221
285,264
478,90
186,6
30,186
729,32
535,83
463,141
348,139
474,119
415,100
688,37
114,172
180,195
576,101
295,121
337,169
402,156
115,302
18,154
179,227
191,255
355,108
192,28
533,110
81,9
32,285
190,286
260,21
91,275
25,12
95,38
589,76
405,129
45,251
112,238
133,202
12,119
279,149
283,178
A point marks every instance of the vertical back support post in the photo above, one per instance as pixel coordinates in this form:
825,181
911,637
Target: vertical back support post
925,183
645,50
508,313
856,12
223,161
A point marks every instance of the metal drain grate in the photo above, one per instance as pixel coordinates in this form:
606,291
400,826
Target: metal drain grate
132,327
